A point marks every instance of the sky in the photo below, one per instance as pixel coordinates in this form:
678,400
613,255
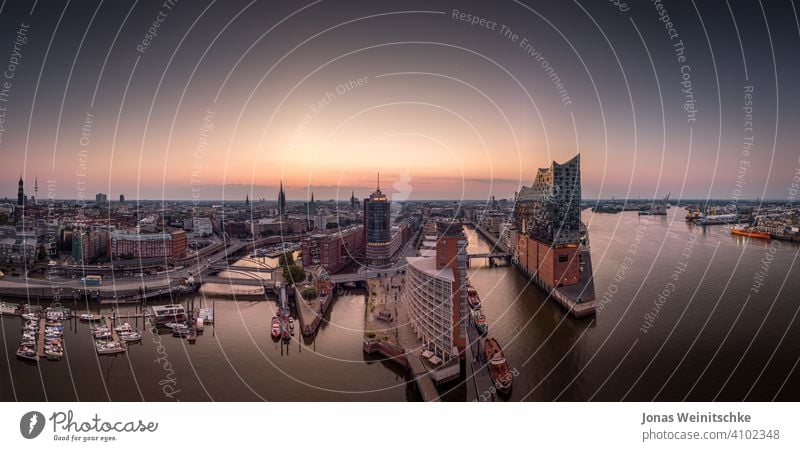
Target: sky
446,99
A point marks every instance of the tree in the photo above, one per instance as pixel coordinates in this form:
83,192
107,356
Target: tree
42,254
286,259
294,273
309,293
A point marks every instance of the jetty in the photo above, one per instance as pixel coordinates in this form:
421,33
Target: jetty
310,313
420,374
114,334
479,370
40,339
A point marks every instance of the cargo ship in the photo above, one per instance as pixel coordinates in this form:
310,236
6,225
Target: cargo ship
740,230
498,366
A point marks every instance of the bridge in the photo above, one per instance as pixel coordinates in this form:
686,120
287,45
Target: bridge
490,255
266,283
345,278
217,267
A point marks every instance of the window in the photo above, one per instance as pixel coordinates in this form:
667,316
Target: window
562,258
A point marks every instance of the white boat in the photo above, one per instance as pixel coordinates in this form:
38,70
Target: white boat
30,316
130,337
27,353
124,328
180,332
163,314
206,314
90,317
7,309
108,347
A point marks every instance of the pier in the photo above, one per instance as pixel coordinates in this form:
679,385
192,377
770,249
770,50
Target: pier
484,389
310,313
40,339
110,325
420,374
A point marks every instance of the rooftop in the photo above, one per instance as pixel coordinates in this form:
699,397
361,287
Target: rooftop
428,266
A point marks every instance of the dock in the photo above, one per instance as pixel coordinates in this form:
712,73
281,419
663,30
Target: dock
110,325
310,313
40,340
421,377
478,368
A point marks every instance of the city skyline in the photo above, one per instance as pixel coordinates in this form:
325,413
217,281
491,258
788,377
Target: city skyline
235,109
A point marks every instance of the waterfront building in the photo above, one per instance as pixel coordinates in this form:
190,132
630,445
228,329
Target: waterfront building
334,251
547,236
180,244
127,244
435,292
377,228
88,245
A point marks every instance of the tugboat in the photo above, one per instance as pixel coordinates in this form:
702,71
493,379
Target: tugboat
479,319
473,298
498,366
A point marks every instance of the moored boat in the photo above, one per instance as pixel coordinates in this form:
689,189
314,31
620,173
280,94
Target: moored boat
498,366
124,328
130,337
163,314
108,347
472,298
27,353
180,331
479,319
750,233
90,317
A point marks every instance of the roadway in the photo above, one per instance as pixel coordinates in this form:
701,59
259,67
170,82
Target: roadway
11,285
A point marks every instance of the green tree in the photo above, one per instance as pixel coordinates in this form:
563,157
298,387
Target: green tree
286,259
42,254
294,273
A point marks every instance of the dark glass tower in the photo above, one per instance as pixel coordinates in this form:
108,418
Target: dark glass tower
21,193
377,227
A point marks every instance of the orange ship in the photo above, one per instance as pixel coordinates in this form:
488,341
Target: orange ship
750,233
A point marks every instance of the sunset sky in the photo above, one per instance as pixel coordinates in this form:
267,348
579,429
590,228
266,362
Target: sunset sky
325,94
